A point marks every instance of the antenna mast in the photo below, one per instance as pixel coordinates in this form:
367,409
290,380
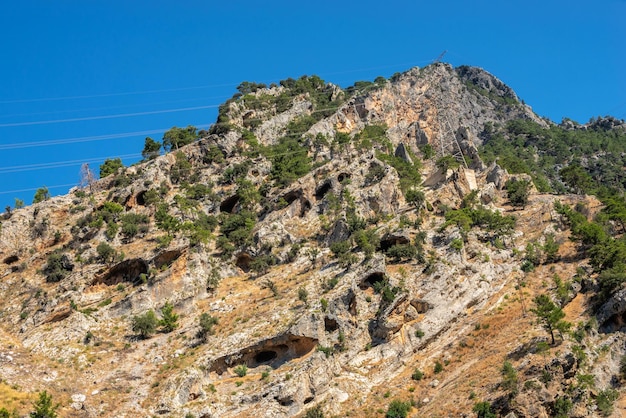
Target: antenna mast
440,57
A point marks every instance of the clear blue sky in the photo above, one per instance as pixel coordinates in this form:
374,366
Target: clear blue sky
97,60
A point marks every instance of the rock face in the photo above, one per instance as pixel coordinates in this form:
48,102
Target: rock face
206,286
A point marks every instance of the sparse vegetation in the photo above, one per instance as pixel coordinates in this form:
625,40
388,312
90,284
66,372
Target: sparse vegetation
241,370
206,323
398,409
145,325
44,407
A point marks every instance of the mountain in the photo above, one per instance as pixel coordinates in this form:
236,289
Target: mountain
423,245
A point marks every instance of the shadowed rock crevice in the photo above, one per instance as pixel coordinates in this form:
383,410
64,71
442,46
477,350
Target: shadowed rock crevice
229,204
273,352
330,324
343,176
11,259
322,189
391,239
371,279
126,271
141,198
166,258
291,196
243,261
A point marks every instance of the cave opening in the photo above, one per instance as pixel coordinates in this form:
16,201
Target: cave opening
324,188
372,279
141,198
330,324
265,356
229,204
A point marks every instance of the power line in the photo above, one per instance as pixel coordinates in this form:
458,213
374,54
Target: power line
133,93
128,93
122,115
57,164
35,188
62,141
112,107
65,163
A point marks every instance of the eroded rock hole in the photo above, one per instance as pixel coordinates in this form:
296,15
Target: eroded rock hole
309,399
11,259
166,258
229,204
390,241
305,207
243,261
141,198
285,402
343,176
126,271
330,324
265,356
421,306
322,189
371,279
350,301
273,352
292,196
614,323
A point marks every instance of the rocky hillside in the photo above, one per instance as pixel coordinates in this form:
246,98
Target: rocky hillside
324,252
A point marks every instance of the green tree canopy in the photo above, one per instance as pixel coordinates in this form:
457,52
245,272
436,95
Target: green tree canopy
518,191
110,166
41,194
549,315
44,408
145,325
169,320
179,137
151,149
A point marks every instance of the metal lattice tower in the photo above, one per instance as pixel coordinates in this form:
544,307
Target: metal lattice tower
448,143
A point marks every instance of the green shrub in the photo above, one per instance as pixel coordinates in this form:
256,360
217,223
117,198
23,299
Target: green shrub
438,367
40,195
340,247
398,409
151,149
133,223
315,412
417,374
328,351
509,375
303,295
169,319
290,160
43,407
58,267
206,323
483,410
562,407
181,170
241,370
456,244
518,192
399,252
4,413
605,400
